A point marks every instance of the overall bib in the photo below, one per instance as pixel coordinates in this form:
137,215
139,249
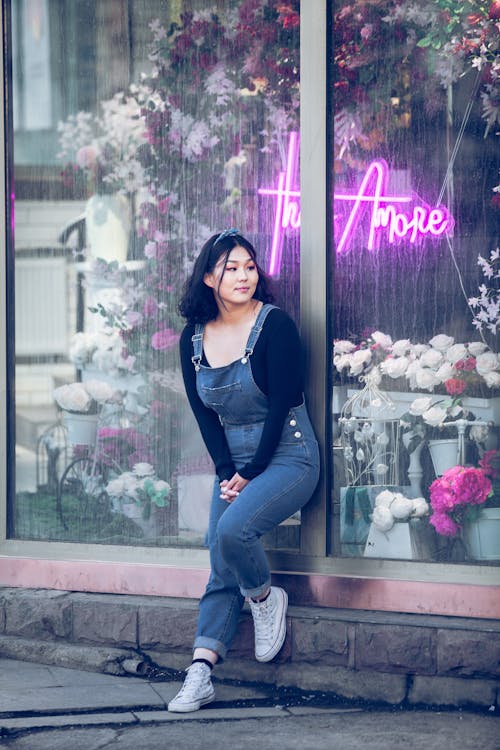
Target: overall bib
239,566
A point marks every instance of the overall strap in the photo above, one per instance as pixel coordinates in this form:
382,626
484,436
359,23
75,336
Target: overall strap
257,328
197,339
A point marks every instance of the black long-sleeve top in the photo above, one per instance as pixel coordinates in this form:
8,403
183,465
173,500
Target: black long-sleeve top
278,370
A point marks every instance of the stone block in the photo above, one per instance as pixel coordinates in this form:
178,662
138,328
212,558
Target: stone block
38,614
396,648
162,627
325,641
99,621
347,683
452,691
468,652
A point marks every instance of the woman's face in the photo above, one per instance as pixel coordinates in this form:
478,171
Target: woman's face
234,280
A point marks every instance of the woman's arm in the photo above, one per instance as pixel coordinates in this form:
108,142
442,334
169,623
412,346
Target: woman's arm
211,429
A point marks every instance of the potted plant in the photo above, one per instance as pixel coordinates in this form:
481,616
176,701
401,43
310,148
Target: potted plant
81,404
139,494
482,529
457,499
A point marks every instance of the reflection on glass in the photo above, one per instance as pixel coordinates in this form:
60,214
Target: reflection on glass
160,122
416,395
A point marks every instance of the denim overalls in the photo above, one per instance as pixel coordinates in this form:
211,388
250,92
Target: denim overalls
239,566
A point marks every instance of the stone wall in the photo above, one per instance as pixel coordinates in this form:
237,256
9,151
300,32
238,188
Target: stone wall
387,658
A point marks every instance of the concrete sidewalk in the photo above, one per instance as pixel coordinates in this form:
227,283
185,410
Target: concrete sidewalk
51,708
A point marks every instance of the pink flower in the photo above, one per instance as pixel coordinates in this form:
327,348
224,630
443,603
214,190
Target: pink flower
455,386
443,524
86,157
150,306
467,365
451,493
164,339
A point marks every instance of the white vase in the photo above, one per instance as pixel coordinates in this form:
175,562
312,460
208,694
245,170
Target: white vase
149,525
82,428
415,472
107,226
444,454
482,536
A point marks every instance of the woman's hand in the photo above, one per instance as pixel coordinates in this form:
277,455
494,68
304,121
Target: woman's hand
231,488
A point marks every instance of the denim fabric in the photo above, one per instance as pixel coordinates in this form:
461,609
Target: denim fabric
239,566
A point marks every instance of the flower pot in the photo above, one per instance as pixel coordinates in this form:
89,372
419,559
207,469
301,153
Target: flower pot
482,536
444,454
150,526
107,224
82,428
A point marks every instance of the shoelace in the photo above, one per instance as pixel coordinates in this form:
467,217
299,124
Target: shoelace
264,620
195,678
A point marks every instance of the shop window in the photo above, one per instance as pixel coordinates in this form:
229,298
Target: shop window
415,281
188,130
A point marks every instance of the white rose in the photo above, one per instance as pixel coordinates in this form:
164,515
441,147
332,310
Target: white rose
99,390
401,506
160,485
425,378
419,349
420,507
143,470
382,338
343,347
395,367
445,372
358,360
442,342
341,362
456,352
116,487
382,518
431,358
73,397
434,416
476,348
384,499
492,379
487,362
400,347
420,405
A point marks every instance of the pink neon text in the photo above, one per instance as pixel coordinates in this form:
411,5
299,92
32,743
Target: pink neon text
384,214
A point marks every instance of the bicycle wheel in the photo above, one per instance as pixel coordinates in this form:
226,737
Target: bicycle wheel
82,492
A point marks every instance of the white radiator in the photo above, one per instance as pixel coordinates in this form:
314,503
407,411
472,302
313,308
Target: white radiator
41,305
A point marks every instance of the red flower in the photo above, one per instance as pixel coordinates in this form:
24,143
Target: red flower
455,386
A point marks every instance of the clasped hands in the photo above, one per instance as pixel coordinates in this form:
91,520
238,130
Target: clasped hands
231,488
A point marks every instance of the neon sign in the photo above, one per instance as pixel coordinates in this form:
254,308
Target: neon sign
388,218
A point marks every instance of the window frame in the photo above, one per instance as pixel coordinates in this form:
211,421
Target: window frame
314,576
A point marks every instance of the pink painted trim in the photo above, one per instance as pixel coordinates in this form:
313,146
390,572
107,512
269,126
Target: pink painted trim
460,600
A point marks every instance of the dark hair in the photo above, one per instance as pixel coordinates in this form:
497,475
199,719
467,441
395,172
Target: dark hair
198,304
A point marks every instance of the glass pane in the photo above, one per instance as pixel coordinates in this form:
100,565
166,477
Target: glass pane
140,129
415,293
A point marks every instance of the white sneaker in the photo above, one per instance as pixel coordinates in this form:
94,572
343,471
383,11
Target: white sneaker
196,691
269,622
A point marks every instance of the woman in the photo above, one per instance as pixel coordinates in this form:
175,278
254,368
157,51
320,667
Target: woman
242,366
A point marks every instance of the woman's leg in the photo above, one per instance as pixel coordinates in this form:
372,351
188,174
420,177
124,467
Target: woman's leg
220,605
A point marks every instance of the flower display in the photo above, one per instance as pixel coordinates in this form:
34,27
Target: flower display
85,398
486,307
140,486
454,494
428,46
453,368
100,151
391,507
